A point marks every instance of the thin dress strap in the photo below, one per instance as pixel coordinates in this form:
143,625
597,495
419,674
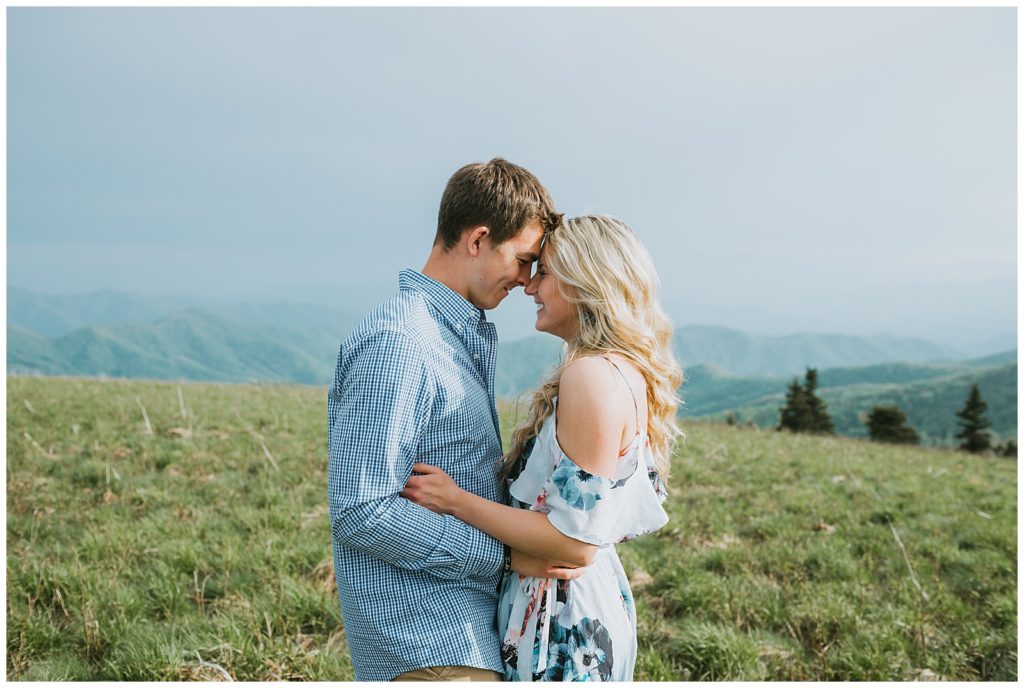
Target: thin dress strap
636,409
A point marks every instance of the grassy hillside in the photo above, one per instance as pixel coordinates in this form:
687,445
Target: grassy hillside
204,547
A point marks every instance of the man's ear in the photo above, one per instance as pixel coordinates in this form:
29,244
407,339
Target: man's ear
473,238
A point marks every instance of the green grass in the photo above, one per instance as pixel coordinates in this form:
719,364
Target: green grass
133,556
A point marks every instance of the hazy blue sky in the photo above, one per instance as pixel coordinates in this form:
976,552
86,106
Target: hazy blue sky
830,169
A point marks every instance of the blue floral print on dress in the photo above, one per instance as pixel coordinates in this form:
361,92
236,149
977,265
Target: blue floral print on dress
581,652
579,489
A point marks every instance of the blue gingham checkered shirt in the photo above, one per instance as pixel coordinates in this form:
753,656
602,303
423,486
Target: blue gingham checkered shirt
414,382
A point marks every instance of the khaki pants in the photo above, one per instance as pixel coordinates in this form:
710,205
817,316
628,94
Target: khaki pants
449,673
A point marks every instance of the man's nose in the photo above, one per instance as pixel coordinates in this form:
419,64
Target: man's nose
531,286
523,278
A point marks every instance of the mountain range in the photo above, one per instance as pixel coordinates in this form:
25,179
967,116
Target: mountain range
119,335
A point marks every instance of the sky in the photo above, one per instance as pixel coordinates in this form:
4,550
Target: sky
845,170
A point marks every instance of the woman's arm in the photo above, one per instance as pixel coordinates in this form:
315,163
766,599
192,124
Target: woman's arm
529,565
527,531
592,415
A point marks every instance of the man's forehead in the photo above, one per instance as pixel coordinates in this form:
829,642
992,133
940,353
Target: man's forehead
529,240
531,252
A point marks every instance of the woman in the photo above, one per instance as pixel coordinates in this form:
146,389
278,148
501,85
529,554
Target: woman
586,469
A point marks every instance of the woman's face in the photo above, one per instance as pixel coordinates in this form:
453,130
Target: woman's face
555,315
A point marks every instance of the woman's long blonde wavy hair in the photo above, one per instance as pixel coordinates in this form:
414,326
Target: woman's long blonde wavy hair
610,279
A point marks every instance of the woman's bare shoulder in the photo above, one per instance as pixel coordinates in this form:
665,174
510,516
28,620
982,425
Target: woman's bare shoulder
590,415
590,377
599,372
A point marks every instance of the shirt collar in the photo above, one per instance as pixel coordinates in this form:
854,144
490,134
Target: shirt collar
452,306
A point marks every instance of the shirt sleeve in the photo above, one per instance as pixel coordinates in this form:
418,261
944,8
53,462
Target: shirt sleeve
378,408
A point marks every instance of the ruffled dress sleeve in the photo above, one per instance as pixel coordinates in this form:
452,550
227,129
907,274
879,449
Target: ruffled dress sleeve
592,508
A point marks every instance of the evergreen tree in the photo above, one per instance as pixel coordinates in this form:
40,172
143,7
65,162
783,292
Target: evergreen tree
889,424
795,415
805,411
973,424
820,421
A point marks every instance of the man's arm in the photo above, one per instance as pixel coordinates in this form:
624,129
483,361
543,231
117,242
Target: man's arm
378,408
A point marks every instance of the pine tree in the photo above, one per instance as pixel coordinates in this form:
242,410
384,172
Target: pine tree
820,421
973,424
795,415
889,424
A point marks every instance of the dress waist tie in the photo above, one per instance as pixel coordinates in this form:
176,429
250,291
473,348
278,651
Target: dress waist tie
547,589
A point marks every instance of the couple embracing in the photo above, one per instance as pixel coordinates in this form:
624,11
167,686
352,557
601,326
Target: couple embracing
453,560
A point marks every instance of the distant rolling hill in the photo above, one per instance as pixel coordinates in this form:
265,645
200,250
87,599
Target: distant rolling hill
53,315
191,345
930,395
710,390
523,363
731,352
753,355
28,352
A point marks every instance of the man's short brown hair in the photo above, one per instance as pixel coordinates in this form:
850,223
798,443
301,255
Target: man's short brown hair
498,194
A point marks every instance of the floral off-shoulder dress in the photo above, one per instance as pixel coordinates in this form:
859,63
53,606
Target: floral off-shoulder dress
581,630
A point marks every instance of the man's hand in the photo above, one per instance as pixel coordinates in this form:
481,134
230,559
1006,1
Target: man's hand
528,565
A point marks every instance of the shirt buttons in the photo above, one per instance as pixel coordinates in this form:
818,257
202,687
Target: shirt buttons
476,356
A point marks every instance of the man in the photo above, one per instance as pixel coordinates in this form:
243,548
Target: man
415,382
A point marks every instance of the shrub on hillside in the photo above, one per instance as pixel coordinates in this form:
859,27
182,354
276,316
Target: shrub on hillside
888,423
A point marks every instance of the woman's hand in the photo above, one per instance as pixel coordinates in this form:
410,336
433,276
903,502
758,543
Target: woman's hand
528,565
433,489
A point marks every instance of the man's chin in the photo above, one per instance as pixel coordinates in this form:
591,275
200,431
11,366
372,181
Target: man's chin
497,300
